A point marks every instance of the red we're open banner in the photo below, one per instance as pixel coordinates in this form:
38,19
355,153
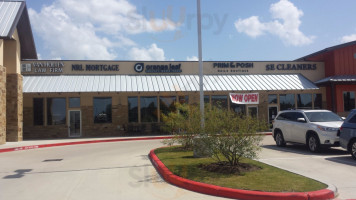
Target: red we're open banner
249,98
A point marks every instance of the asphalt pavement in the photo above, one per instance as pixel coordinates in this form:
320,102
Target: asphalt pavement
122,170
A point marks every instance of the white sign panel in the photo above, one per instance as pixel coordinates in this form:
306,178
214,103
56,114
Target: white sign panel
249,98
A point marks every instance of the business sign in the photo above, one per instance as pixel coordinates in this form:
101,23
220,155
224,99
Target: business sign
293,67
95,67
158,68
43,67
232,66
249,98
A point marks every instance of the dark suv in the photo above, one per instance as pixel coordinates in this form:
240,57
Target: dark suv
348,133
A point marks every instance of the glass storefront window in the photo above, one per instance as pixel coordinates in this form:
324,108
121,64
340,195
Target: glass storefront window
167,104
252,111
56,111
317,101
74,102
349,101
219,101
38,111
272,98
102,109
304,101
286,101
148,107
240,109
133,109
206,99
183,99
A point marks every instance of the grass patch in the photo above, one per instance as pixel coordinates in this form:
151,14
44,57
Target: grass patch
269,179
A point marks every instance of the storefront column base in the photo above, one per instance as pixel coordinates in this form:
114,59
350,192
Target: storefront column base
14,108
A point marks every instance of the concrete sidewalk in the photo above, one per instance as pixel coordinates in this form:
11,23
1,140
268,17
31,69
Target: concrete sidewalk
29,143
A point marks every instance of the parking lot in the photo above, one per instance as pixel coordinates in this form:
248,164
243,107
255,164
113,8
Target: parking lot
121,170
333,166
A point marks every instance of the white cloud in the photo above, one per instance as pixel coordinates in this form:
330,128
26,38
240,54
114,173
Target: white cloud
73,29
153,53
348,38
193,58
285,25
114,16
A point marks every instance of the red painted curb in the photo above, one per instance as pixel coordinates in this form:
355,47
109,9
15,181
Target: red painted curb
80,142
234,193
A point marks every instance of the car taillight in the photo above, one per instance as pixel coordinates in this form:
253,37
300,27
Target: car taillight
340,128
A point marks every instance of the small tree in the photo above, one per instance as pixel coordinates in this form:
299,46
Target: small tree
232,136
183,124
229,136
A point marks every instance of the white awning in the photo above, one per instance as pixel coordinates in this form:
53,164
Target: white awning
164,83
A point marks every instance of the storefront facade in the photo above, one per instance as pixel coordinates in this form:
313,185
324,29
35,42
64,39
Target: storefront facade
107,98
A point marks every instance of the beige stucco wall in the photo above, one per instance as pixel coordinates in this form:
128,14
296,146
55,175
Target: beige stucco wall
12,54
312,70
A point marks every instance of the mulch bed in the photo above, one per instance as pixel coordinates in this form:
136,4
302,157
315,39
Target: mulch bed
226,168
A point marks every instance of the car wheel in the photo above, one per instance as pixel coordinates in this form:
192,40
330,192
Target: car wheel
279,139
313,143
353,149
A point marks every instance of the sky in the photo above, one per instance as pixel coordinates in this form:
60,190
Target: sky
166,30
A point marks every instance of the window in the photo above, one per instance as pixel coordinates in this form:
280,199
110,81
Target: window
349,101
272,98
252,111
149,111
286,101
206,99
74,102
304,101
133,109
317,101
102,109
353,120
56,111
38,111
219,101
167,104
240,109
183,99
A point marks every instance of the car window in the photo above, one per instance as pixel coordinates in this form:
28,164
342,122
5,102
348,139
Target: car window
323,116
282,116
290,116
298,115
353,119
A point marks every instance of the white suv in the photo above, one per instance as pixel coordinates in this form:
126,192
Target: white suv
311,127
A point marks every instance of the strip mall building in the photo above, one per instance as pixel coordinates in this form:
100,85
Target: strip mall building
112,98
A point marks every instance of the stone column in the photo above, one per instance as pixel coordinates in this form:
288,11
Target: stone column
14,107
2,104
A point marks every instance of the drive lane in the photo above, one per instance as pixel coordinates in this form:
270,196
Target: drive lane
107,171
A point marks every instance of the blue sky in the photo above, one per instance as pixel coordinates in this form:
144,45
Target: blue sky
238,30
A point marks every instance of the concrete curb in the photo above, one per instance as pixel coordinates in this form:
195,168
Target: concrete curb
235,193
90,142
79,142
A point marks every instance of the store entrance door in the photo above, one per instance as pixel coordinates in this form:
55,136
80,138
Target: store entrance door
75,123
272,113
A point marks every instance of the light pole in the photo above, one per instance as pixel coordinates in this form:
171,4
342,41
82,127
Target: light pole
202,123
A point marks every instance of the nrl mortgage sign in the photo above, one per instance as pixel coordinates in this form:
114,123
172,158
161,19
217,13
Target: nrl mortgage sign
249,98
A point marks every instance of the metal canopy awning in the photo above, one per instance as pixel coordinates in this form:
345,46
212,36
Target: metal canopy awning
164,83
344,79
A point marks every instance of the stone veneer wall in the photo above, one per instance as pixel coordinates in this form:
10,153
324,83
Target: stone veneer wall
2,104
14,107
